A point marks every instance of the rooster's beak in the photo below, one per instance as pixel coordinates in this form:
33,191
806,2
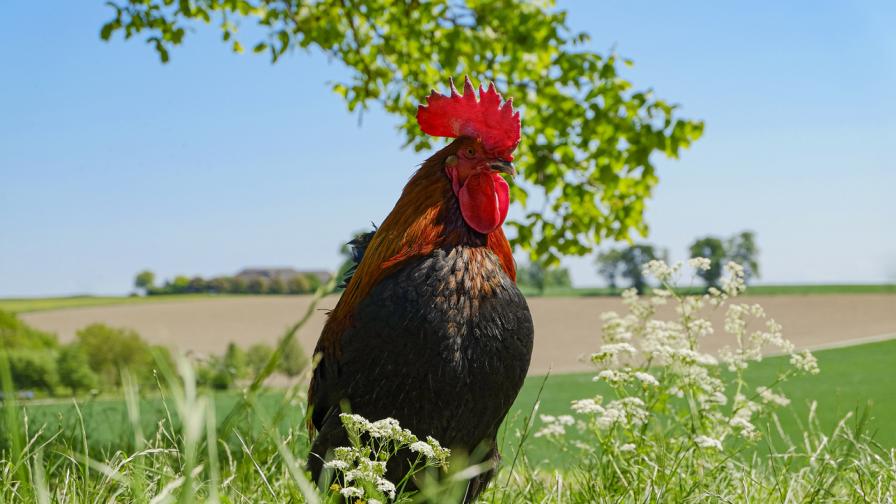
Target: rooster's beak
503,167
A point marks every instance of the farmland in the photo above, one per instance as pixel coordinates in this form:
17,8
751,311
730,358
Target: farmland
566,328
22,305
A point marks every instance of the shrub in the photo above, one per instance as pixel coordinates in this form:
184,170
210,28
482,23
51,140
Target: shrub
293,361
258,356
235,361
110,350
74,369
221,378
33,369
16,334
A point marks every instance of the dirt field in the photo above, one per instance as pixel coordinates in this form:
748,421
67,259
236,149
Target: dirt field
565,328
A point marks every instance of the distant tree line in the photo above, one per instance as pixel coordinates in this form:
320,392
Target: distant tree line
625,265
99,356
181,284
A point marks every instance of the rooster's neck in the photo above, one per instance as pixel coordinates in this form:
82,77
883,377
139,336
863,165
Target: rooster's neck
426,218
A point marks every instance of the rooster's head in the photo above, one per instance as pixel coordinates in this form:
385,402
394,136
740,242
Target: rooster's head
487,131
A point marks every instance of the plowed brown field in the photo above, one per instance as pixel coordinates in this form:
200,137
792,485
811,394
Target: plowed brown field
565,328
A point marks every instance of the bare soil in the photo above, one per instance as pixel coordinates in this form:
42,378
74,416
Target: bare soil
565,328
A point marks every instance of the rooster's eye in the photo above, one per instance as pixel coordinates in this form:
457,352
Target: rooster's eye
469,152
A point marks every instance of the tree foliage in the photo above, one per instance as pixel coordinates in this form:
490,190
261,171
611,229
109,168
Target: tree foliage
540,277
589,137
111,350
713,249
14,333
74,369
145,280
33,369
628,263
740,248
609,266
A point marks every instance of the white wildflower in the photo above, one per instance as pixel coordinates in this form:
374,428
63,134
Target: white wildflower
770,396
659,270
353,475
389,429
441,454
646,378
612,376
630,297
354,422
619,348
627,447
805,362
610,417
734,283
352,492
716,398
422,448
555,425
628,410
610,353
386,486
744,426
708,442
551,430
586,406
339,465
699,327
700,263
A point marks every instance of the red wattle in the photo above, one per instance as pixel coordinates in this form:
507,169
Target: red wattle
484,200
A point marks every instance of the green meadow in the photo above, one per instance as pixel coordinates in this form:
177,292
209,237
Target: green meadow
853,379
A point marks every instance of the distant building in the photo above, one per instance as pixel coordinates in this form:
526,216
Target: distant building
284,274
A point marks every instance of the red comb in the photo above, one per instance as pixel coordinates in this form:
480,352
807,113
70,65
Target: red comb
495,124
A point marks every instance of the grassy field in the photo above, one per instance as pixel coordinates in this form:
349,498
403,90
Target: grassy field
23,305
852,378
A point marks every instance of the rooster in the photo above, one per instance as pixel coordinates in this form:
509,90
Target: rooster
431,329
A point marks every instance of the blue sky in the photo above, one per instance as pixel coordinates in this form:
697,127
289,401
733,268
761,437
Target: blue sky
111,162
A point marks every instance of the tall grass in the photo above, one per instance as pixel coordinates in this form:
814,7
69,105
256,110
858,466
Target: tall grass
677,450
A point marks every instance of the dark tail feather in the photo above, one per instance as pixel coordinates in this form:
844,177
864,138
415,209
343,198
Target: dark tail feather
359,246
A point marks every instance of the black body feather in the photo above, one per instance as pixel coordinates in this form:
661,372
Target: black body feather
442,345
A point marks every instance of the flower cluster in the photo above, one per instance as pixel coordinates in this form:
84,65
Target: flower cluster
362,467
655,367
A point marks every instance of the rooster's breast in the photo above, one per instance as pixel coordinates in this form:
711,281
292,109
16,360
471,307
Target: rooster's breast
443,345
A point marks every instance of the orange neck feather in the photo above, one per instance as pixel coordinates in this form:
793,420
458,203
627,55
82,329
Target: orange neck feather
425,218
